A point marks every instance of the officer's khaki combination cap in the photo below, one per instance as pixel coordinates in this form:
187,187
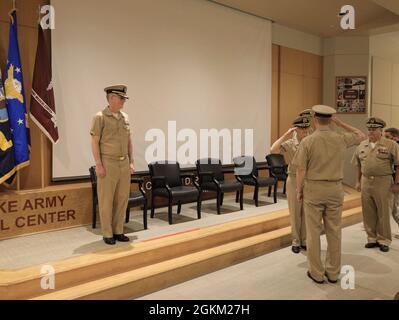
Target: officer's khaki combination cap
375,123
321,111
301,122
120,90
306,113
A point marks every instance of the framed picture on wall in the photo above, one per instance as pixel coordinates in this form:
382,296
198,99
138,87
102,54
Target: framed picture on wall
351,94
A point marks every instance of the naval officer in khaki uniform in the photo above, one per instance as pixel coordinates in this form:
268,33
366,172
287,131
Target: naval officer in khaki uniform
375,159
393,134
288,145
320,162
112,151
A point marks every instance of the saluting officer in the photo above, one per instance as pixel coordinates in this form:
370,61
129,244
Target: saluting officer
320,161
112,151
375,159
288,145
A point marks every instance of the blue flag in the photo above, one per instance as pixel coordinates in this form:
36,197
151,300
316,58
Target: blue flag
15,99
7,158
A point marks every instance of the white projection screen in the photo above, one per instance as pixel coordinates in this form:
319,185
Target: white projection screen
191,64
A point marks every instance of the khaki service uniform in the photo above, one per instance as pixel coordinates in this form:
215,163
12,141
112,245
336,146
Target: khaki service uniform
295,208
113,190
322,156
376,165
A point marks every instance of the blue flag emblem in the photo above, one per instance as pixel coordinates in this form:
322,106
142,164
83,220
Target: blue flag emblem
15,99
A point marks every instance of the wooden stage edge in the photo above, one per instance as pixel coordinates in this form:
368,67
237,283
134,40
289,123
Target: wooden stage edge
145,267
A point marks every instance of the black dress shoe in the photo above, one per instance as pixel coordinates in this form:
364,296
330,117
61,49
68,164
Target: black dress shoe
121,238
304,248
329,280
296,249
317,281
384,248
109,241
371,245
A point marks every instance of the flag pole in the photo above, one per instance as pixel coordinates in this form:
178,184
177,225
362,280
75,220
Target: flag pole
14,8
38,13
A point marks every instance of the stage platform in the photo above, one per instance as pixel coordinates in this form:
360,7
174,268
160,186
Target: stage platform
156,258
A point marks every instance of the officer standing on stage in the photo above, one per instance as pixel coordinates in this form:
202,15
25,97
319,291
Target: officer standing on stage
375,159
288,145
112,151
320,161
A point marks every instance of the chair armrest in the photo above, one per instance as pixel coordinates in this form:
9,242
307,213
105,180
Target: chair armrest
140,181
217,182
136,180
238,178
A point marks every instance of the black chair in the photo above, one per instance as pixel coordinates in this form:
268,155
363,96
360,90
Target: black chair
278,168
166,179
247,169
211,178
135,198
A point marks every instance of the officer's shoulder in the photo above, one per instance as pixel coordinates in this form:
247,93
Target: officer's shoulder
99,114
389,142
308,139
125,115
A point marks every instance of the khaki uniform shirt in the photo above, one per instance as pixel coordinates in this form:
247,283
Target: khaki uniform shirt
290,147
114,133
377,161
322,154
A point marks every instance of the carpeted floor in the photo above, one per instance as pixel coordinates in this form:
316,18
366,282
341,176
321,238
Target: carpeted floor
282,275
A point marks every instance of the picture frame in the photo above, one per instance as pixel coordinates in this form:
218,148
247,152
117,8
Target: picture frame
351,94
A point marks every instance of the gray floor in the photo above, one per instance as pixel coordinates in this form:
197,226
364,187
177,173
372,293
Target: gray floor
282,275
51,246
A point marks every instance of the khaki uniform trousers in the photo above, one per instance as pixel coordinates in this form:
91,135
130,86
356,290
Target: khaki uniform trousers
296,213
323,201
395,210
377,204
113,195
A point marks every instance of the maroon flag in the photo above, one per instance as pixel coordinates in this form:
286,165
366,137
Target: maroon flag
42,109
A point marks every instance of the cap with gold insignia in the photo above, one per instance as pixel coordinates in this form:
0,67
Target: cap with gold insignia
322,111
306,113
120,90
301,122
375,123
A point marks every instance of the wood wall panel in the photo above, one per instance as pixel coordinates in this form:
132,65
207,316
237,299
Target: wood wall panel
312,92
291,99
312,66
299,84
291,61
275,92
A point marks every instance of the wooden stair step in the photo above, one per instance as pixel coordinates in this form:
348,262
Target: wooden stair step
136,283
